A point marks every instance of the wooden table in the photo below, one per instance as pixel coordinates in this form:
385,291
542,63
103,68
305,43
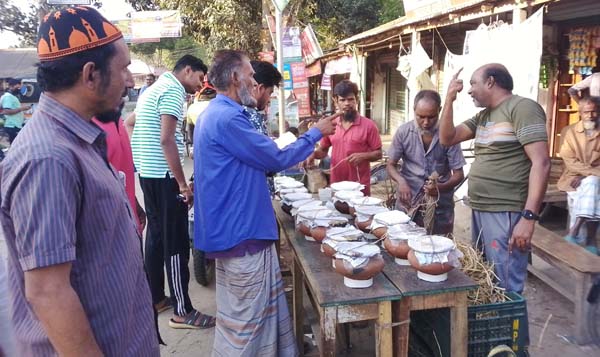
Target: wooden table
389,301
421,295
335,302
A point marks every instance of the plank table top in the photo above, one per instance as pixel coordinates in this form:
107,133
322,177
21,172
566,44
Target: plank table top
406,280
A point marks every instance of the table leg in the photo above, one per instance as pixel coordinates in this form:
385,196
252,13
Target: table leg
401,312
298,286
583,309
459,326
383,336
328,318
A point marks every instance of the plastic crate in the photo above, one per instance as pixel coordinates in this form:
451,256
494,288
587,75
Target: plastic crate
489,326
502,323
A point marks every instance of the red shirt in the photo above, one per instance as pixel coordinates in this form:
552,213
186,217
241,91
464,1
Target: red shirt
361,136
119,155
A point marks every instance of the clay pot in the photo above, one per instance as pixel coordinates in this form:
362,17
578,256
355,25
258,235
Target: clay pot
398,248
379,232
286,208
431,269
362,272
363,226
303,228
342,207
328,250
318,233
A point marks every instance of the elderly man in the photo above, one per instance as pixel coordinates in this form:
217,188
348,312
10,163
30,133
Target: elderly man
75,264
356,142
13,109
234,217
580,152
507,180
417,144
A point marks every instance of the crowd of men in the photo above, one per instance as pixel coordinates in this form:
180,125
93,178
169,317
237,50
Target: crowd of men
80,282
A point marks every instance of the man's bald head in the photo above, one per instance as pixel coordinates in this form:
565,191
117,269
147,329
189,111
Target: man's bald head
498,73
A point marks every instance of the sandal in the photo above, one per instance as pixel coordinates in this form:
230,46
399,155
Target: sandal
195,320
164,305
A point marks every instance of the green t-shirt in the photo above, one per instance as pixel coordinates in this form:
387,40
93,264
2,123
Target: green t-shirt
499,176
9,101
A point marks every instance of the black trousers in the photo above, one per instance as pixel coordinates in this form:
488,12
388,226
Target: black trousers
167,242
12,133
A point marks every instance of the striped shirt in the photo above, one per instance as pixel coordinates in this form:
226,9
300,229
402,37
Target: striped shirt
61,202
164,97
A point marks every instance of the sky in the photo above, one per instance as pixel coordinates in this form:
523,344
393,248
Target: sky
111,9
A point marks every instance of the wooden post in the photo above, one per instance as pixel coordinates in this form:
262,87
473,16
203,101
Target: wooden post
298,286
383,332
401,313
328,317
459,329
582,309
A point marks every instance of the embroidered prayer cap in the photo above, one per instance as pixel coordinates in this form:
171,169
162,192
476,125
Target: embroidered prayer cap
73,29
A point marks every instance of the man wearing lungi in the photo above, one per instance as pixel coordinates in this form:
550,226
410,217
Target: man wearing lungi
580,151
235,223
508,178
417,144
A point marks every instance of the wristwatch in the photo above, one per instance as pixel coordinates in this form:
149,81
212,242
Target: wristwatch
530,216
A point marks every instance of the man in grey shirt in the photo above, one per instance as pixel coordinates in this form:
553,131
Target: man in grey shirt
74,254
590,83
417,145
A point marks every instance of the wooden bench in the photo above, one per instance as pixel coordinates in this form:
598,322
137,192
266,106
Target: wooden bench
571,271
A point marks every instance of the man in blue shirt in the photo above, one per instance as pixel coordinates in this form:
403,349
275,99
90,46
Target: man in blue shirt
235,223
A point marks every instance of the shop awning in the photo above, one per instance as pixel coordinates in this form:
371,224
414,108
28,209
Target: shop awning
18,63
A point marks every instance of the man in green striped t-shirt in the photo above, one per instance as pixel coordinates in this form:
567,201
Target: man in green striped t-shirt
157,146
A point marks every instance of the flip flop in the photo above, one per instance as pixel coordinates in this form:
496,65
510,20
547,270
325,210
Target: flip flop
195,320
573,240
164,305
592,249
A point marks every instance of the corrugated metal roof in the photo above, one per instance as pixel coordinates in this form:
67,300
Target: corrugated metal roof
405,20
18,63
572,9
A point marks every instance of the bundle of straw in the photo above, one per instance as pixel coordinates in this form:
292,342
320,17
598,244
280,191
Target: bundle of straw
482,272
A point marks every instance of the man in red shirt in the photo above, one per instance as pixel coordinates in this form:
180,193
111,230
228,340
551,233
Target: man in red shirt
119,155
356,141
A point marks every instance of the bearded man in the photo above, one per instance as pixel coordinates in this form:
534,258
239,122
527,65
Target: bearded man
580,152
356,142
234,219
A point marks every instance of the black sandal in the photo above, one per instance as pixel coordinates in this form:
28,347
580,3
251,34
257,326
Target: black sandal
195,320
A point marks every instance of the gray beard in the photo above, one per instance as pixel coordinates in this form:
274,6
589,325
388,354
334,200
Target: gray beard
246,97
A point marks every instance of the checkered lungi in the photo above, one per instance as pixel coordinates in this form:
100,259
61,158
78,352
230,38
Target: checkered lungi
585,201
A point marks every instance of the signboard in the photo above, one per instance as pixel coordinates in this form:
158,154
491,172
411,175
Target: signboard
311,50
267,56
299,79
292,49
326,82
69,2
155,24
303,97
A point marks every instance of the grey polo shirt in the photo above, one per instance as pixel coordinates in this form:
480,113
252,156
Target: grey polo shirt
61,202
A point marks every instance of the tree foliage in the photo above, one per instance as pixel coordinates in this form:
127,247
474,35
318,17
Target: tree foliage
334,20
216,24
23,24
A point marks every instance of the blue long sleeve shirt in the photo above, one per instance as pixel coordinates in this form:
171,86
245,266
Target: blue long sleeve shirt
232,200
